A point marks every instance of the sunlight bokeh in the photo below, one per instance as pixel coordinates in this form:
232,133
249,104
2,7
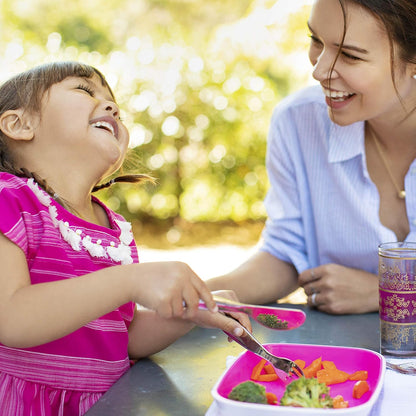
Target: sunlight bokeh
197,83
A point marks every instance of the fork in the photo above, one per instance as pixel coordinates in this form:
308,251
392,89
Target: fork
408,367
250,343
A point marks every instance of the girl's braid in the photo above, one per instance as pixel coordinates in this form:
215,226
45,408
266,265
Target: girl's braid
126,179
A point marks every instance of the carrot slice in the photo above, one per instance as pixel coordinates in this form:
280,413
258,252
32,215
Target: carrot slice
271,398
339,402
359,375
311,370
267,377
359,388
258,369
301,364
329,365
269,368
332,376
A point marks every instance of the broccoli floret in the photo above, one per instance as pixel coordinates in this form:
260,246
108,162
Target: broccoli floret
307,392
250,392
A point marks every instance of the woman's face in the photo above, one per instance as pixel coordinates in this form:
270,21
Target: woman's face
361,85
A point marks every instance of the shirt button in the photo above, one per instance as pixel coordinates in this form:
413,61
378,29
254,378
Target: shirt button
414,222
413,171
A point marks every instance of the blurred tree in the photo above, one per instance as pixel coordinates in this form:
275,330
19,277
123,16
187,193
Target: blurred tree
197,82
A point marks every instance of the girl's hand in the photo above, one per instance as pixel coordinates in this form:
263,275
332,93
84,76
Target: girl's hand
337,289
206,319
170,288
229,323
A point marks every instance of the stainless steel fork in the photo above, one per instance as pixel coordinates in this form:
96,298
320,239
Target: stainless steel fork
406,367
250,343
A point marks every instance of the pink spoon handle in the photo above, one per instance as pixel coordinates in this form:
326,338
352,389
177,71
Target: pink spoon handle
268,316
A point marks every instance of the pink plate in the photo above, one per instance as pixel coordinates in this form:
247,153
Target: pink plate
345,358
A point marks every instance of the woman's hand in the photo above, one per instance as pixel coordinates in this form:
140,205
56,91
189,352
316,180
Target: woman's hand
337,289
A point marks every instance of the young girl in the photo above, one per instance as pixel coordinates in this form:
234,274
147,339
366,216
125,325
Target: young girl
70,276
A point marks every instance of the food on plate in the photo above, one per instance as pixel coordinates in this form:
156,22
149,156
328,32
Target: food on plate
271,398
311,390
263,371
339,402
359,375
330,374
271,321
312,368
250,392
307,392
359,388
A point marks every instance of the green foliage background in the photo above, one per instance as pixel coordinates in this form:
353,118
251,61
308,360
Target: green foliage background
197,82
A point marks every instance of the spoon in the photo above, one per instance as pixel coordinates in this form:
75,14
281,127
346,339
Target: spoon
268,316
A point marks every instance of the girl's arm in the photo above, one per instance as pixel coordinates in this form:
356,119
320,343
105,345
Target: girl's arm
261,279
35,314
149,333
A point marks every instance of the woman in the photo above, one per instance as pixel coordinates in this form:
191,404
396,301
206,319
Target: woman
341,162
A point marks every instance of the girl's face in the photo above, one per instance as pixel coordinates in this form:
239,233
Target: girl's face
361,85
80,121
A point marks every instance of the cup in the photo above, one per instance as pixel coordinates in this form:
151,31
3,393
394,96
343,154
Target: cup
397,289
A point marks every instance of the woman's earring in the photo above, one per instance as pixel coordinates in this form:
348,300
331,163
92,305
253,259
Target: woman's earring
414,76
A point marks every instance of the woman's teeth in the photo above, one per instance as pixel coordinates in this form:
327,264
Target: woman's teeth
337,95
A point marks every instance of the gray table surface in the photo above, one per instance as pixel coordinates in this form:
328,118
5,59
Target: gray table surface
178,380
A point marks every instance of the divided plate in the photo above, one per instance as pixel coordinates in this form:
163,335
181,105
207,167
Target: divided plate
345,358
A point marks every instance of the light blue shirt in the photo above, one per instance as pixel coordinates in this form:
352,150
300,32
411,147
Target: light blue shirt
322,205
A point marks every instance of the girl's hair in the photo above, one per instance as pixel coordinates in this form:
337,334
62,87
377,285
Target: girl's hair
26,90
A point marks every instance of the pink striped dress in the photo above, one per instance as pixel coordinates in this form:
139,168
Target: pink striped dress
66,376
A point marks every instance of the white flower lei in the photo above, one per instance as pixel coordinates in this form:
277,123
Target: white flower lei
76,239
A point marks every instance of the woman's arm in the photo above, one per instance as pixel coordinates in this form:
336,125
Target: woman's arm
261,279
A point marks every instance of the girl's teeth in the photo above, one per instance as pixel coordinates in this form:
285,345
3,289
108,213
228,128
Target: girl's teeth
106,125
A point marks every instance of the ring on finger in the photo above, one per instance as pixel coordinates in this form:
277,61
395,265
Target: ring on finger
313,299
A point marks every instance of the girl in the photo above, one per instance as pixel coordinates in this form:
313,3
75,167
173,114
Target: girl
341,161
70,275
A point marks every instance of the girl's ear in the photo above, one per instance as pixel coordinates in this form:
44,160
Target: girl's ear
17,125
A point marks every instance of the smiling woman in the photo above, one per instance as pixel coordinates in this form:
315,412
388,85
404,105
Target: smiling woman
341,162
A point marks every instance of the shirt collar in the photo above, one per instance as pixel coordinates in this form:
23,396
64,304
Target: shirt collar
346,142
